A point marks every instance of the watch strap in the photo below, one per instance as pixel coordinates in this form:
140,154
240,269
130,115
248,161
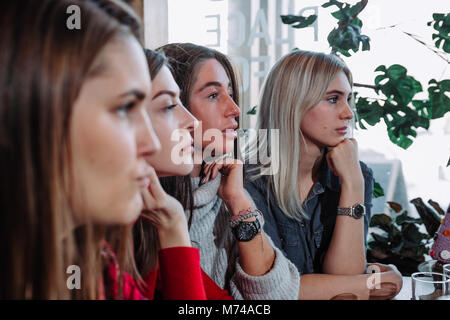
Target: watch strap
356,211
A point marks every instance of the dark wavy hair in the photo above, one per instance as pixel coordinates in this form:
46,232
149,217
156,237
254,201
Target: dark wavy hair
145,237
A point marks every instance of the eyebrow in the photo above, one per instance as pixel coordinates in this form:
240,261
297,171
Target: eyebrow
134,92
335,92
338,92
160,93
211,84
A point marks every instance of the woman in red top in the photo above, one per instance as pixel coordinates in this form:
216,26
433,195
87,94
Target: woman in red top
162,228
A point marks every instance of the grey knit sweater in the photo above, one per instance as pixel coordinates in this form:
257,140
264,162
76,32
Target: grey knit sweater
219,255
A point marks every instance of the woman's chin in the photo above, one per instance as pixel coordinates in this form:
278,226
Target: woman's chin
179,170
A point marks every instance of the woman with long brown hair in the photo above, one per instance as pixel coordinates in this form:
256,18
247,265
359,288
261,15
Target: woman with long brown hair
236,255
162,246
74,137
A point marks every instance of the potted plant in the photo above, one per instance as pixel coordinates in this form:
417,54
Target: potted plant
397,239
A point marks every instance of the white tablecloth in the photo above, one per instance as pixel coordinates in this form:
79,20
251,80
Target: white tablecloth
406,292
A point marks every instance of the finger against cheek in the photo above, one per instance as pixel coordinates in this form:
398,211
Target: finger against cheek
156,188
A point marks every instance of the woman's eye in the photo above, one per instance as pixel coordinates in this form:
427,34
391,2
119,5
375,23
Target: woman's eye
170,108
333,99
125,109
213,95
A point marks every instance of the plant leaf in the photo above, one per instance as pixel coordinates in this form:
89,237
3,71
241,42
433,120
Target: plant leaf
252,111
377,190
436,207
404,218
395,206
380,220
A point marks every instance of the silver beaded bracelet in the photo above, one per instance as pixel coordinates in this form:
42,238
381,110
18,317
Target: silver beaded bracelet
256,213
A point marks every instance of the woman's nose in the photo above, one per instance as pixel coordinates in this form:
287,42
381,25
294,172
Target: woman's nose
347,112
147,141
189,121
232,109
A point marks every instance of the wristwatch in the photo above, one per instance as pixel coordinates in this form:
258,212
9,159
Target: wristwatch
246,231
356,211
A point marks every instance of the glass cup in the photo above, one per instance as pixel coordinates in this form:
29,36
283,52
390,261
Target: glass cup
430,286
446,269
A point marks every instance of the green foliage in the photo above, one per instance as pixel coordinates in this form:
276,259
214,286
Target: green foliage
437,104
401,114
347,36
252,111
400,237
441,23
377,190
298,22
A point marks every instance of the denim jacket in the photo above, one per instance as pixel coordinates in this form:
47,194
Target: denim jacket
306,242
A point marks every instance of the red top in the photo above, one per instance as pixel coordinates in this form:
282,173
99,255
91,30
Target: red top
179,277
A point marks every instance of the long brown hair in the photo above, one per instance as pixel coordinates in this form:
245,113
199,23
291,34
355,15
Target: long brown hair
43,65
145,237
185,59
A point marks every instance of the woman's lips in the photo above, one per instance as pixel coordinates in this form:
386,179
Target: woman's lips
188,148
342,130
230,133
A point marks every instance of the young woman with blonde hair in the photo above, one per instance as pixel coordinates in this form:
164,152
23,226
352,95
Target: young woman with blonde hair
314,193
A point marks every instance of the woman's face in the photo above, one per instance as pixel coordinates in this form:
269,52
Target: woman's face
111,136
211,103
326,124
173,125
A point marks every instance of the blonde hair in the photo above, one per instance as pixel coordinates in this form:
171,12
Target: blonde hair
295,84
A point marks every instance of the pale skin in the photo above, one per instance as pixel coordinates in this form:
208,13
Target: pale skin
323,126
211,102
168,114
111,136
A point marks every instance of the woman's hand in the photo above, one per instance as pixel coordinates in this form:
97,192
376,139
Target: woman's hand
166,214
231,189
343,160
387,281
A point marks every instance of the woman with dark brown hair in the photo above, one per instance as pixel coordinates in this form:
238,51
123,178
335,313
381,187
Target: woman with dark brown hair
162,245
74,138
236,254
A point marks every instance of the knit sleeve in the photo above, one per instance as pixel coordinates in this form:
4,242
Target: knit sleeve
181,275
282,282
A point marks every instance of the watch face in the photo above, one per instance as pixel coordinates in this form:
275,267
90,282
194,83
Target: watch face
246,231
358,211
